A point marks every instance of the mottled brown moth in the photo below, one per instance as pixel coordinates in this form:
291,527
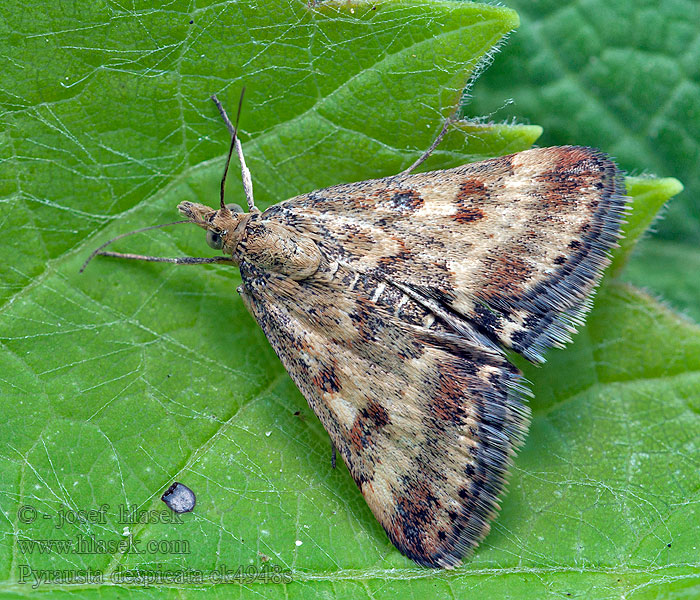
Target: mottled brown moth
391,303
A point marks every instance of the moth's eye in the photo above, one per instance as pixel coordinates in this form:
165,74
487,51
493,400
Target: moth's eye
214,240
234,208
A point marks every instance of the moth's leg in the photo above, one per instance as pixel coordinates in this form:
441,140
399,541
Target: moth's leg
246,299
98,250
333,451
179,260
434,145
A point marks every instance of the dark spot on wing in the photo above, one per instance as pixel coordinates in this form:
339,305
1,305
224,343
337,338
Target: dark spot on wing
376,414
467,215
471,189
485,318
472,193
417,509
327,379
448,403
506,273
405,200
371,420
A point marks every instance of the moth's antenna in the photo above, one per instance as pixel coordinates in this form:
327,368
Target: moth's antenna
235,142
234,138
123,235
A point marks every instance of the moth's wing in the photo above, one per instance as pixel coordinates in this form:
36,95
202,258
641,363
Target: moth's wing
511,247
426,422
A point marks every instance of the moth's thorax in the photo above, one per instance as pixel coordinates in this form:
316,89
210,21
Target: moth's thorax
275,247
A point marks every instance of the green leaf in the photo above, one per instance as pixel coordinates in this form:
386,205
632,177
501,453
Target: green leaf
618,75
648,196
104,115
670,270
116,382
621,76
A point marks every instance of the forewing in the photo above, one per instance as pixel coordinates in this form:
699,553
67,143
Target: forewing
512,246
426,421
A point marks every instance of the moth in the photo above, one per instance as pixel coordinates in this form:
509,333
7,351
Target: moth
392,302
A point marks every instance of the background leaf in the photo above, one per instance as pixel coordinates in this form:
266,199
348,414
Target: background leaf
116,382
625,77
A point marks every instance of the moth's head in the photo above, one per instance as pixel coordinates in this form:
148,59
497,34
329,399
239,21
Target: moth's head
224,226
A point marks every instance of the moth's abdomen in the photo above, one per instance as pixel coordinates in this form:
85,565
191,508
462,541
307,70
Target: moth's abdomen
277,248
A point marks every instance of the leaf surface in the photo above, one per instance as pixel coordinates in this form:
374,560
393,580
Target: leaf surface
119,381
